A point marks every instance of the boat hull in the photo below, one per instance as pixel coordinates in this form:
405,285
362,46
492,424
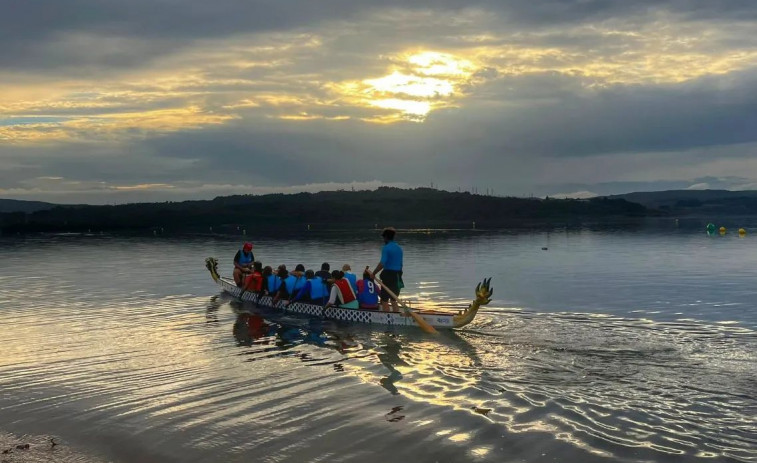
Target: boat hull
376,317
434,318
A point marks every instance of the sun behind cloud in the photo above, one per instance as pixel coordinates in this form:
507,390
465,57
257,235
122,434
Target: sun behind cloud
416,84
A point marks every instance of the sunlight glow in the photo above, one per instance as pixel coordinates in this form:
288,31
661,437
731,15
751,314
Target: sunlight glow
305,77
409,107
110,126
432,63
416,84
398,83
143,186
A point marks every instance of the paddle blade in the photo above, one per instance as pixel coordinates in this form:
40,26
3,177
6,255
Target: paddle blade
423,324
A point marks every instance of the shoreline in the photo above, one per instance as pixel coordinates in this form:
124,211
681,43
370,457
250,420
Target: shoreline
41,447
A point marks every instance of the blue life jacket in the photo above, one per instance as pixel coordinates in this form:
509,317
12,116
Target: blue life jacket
289,284
245,259
318,289
274,283
295,284
352,278
368,294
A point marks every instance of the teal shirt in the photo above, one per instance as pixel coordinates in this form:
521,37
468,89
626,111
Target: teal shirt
391,256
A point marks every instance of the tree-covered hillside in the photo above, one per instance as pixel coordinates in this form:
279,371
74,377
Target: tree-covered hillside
422,207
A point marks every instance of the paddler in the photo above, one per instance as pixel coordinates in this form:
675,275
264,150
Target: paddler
367,291
243,263
341,292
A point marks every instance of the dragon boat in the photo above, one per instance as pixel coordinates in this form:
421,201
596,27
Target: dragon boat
436,318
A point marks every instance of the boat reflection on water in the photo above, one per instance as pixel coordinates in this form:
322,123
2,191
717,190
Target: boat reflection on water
409,357
258,326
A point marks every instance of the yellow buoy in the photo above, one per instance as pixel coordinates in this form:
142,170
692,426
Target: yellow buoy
742,232
722,230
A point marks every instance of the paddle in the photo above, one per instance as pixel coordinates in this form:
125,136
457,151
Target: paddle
423,324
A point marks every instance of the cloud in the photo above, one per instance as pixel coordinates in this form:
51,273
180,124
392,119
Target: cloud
575,195
105,193
522,97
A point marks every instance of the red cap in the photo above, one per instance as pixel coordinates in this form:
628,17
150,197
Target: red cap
247,247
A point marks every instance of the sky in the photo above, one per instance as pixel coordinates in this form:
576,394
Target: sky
107,101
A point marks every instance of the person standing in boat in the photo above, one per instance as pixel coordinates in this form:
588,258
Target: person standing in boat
243,263
341,292
367,291
390,267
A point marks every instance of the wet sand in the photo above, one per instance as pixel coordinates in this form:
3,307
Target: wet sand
27,448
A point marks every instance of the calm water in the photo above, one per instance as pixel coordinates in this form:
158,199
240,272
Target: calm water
609,346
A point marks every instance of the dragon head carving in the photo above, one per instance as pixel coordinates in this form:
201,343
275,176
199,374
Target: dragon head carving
484,293
212,265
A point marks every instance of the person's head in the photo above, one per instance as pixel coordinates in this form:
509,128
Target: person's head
283,273
267,270
325,266
309,274
337,274
258,266
388,234
299,268
247,247
366,274
346,268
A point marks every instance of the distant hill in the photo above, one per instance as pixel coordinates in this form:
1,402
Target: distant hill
414,208
697,202
15,205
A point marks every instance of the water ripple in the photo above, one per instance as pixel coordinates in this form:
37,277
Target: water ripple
160,370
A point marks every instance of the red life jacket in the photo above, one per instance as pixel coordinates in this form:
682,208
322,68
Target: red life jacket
345,290
254,282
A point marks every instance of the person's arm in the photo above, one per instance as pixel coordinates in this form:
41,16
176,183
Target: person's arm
332,296
381,263
241,267
378,268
